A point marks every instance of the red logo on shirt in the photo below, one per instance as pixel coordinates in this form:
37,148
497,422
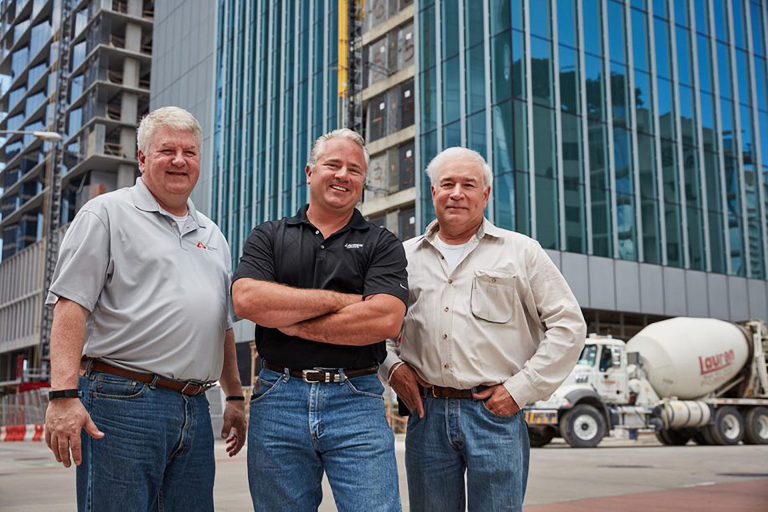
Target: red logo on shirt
201,245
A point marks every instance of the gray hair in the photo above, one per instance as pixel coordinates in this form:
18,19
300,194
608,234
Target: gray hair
457,152
340,133
175,118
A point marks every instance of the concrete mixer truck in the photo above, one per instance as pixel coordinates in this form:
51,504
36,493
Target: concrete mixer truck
685,378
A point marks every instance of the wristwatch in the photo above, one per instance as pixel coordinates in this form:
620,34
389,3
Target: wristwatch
63,393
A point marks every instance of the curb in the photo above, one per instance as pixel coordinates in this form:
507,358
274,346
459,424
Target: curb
11,433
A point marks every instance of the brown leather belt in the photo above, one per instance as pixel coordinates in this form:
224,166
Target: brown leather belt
322,375
185,387
441,392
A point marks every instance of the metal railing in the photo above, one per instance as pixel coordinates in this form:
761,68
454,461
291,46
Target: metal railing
24,408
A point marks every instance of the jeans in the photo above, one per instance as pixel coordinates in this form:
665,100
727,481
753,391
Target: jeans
298,430
157,450
458,436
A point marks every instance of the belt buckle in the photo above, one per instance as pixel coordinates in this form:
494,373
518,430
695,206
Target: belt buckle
305,376
201,387
432,390
322,375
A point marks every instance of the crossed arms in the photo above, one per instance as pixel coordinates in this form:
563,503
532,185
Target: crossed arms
323,316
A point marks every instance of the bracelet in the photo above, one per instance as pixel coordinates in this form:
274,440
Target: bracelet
235,398
63,393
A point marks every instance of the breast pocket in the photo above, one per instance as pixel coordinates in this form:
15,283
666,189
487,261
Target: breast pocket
493,295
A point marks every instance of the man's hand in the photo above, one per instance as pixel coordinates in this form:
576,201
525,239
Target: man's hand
233,429
64,419
498,400
405,381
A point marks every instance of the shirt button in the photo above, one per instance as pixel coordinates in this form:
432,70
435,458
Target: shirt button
450,281
317,232
322,247
446,366
445,336
445,309
493,279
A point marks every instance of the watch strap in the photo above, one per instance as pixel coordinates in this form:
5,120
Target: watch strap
63,393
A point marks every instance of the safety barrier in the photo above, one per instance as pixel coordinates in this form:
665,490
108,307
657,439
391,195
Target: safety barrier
12,433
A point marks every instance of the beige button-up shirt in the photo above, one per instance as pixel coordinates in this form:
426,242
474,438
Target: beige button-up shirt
504,315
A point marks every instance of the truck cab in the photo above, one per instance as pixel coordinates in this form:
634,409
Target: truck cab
579,409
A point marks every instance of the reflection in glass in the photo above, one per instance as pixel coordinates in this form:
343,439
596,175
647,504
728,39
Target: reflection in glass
649,205
573,185
547,206
672,214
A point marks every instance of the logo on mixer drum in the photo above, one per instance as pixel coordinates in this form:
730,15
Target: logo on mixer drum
711,364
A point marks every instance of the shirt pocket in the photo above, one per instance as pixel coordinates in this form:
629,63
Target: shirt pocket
493,295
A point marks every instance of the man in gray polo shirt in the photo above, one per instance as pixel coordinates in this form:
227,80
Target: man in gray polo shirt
142,327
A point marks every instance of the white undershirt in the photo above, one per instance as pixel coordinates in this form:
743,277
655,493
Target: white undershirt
451,253
180,220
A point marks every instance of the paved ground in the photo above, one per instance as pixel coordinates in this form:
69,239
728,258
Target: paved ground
619,475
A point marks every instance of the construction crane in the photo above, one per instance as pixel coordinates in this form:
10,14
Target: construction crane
52,197
351,19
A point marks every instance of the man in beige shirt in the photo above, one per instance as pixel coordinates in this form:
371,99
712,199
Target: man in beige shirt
492,326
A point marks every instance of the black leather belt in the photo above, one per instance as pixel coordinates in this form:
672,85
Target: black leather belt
322,375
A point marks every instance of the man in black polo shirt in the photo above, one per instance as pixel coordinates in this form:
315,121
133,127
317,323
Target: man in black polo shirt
325,288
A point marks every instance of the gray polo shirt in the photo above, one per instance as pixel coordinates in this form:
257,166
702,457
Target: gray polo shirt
158,296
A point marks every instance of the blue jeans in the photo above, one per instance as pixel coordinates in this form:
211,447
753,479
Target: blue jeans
157,450
298,430
458,436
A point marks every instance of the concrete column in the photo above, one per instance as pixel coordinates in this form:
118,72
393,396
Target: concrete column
132,37
129,108
128,142
135,8
131,72
126,175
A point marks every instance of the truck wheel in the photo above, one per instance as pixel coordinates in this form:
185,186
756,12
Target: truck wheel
673,437
540,436
727,427
756,426
583,427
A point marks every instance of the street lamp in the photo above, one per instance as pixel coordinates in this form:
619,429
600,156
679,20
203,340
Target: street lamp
46,136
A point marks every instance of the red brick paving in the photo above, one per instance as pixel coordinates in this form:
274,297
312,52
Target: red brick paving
749,496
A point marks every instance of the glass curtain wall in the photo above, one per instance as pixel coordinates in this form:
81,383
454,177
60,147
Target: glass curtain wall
276,93
630,129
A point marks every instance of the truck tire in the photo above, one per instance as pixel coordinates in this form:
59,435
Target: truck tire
583,427
540,436
756,426
670,437
727,427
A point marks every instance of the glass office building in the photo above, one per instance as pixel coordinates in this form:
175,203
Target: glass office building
276,92
628,137
633,130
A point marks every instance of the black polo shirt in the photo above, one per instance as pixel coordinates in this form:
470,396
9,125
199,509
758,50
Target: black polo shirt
361,258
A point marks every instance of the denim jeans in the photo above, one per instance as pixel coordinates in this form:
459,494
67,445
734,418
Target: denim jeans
299,430
458,436
157,450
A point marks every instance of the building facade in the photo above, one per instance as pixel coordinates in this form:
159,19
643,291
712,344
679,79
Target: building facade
106,87
628,137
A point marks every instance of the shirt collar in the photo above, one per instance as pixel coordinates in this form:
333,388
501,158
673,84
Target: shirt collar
145,201
487,228
357,221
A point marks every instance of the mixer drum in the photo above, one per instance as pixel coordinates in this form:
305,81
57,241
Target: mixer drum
689,358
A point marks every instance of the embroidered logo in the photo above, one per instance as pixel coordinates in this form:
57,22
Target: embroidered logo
201,245
353,246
